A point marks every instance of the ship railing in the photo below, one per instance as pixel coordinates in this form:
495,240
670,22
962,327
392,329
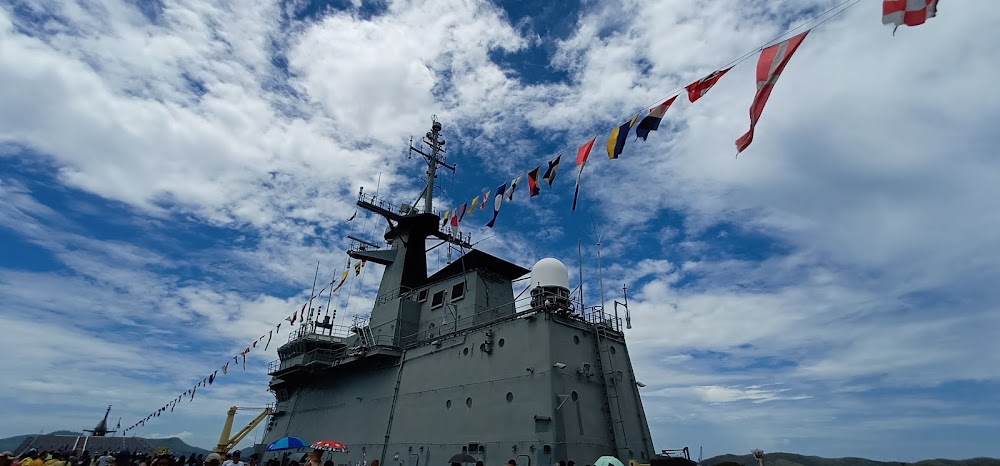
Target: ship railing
330,356
274,366
359,246
403,209
378,202
596,316
390,295
593,315
457,236
474,315
320,330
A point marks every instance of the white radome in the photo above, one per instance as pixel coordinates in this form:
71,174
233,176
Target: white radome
550,272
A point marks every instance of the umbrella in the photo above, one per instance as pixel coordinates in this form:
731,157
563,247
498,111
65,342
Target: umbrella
608,461
287,443
462,458
330,445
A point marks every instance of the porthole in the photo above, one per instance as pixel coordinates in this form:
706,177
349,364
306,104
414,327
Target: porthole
447,404
468,402
465,351
612,349
574,395
576,339
510,397
500,342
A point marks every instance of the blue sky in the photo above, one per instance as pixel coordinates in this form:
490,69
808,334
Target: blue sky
171,173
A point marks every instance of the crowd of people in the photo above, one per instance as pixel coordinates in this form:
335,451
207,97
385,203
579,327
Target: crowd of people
125,458
34,457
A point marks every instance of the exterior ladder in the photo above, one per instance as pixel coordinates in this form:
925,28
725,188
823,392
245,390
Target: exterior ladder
367,339
609,388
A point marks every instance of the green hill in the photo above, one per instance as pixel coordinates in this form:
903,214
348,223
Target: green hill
176,446
10,443
791,459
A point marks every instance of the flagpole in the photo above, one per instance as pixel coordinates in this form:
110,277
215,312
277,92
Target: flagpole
600,272
330,299
312,294
579,262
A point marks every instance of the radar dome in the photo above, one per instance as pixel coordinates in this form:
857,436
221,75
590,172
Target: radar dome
550,272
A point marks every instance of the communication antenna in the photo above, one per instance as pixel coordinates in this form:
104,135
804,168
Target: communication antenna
435,158
312,294
579,263
628,316
600,267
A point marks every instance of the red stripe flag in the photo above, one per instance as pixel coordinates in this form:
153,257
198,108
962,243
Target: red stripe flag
533,189
581,159
772,61
698,88
908,12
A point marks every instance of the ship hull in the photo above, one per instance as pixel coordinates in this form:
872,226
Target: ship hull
538,388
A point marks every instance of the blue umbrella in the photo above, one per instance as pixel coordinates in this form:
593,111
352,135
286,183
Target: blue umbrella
608,461
287,443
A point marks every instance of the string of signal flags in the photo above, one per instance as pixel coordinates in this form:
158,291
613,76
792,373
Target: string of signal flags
770,64
298,316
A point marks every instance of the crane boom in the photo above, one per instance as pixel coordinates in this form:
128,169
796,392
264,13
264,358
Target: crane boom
226,442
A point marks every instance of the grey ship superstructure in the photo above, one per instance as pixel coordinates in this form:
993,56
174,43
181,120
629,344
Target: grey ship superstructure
453,362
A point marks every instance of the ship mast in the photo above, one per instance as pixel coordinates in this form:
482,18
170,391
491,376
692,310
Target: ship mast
435,158
404,254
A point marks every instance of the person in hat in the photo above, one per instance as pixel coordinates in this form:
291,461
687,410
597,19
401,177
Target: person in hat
213,459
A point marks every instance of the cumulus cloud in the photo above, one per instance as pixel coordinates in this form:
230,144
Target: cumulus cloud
185,165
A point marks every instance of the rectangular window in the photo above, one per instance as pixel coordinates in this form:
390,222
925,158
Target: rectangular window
437,300
422,295
458,291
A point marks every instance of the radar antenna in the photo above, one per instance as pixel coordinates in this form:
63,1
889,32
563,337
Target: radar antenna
436,142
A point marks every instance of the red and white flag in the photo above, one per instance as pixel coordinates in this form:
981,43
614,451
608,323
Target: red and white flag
698,88
908,12
772,61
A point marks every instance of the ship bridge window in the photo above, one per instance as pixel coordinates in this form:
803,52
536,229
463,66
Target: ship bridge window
437,300
422,295
458,291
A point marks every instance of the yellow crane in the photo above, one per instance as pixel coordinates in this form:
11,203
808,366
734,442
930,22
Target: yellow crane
227,442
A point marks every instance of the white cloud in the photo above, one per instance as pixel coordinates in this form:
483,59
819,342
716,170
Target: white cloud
872,169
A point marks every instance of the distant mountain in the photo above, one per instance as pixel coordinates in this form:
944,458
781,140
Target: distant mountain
180,447
791,459
176,446
10,443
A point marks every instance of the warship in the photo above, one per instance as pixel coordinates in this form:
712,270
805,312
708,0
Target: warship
454,363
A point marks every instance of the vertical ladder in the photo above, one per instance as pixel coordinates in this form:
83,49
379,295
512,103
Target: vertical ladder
366,336
609,388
